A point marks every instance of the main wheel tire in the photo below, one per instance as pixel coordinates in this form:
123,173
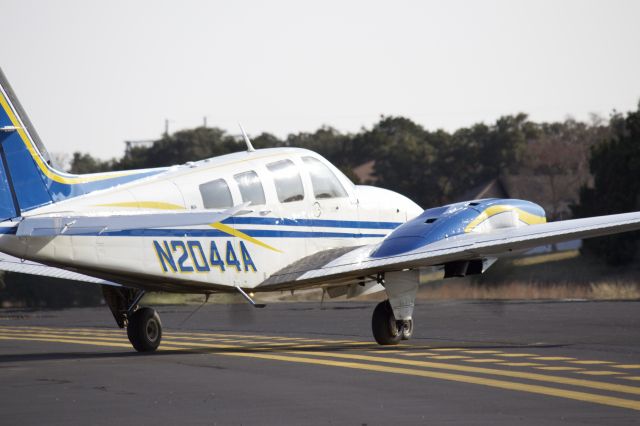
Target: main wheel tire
145,330
407,329
384,325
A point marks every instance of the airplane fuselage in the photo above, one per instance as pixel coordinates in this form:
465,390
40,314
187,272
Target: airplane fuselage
298,204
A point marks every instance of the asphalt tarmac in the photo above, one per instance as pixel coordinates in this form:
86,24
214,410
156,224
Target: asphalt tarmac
468,363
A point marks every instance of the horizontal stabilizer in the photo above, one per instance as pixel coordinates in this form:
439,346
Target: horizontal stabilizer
13,264
69,224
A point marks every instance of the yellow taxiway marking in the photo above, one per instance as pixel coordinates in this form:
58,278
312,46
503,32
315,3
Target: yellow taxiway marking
559,368
601,373
537,389
449,357
419,354
175,334
553,358
581,396
590,362
627,366
632,378
515,355
482,352
521,364
483,360
482,370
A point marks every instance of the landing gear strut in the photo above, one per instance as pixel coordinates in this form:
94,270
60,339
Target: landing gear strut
144,328
386,329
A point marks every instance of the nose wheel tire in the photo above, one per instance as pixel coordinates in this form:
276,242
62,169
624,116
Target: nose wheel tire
144,330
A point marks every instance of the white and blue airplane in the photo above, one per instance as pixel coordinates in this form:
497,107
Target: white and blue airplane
249,222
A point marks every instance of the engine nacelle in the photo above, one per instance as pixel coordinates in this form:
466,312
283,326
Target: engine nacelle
440,223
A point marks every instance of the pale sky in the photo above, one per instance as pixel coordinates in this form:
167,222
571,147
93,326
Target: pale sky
93,74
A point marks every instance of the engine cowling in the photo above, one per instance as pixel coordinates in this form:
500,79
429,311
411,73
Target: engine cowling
440,223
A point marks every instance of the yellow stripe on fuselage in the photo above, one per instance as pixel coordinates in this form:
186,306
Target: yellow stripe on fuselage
169,206
144,205
234,232
526,217
44,167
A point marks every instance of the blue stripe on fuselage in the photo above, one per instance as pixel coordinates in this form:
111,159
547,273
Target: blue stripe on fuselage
211,233
320,223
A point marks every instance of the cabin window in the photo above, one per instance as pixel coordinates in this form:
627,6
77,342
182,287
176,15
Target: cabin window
250,187
216,194
324,181
287,179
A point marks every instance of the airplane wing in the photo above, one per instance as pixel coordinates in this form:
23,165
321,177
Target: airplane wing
344,265
13,264
74,224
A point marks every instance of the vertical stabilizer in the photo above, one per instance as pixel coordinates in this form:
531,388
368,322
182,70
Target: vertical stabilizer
23,157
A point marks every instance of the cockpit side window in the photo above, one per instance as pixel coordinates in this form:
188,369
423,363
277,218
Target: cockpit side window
250,187
287,180
324,181
216,194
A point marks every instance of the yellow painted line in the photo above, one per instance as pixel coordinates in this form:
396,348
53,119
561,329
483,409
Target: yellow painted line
521,364
483,370
559,368
234,232
601,373
419,354
158,205
79,330
483,352
590,362
117,331
65,336
627,366
515,355
580,396
447,349
277,344
553,358
537,389
484,360
387,351
166,337
632,378
82,342
449,357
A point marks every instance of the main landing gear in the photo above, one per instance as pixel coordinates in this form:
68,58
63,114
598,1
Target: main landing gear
392,319
144,328
386,329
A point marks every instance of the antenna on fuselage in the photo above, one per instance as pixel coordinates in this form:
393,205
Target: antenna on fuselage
250,147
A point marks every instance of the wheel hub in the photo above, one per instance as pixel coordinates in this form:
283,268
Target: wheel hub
152,330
